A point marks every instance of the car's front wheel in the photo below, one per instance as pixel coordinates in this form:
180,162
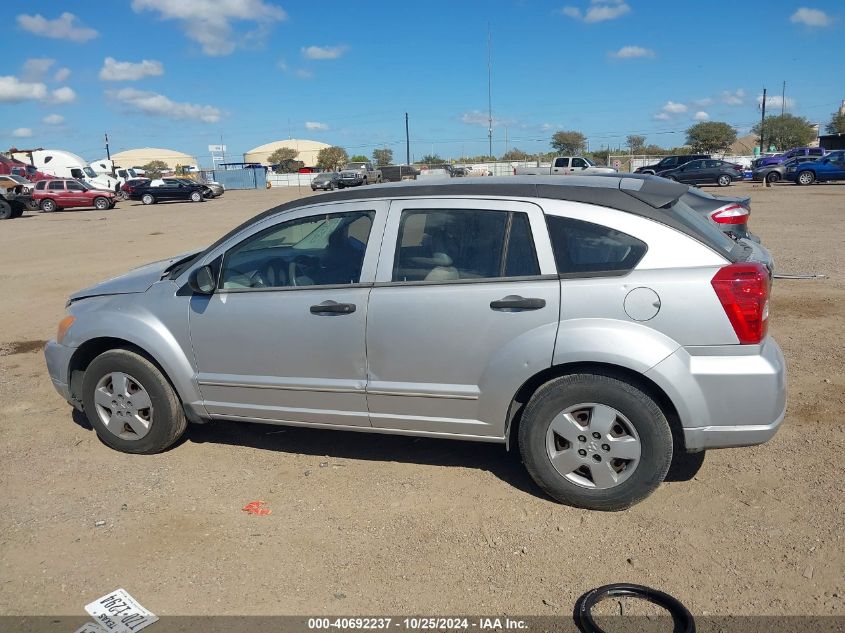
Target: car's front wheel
131,404
806,178
595,441
6,211
148,198
101,204
196,196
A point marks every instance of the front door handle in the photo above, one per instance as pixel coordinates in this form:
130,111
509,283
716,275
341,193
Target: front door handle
515,302
333,307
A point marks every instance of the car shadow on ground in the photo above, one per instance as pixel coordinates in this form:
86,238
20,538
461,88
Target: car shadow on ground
506,465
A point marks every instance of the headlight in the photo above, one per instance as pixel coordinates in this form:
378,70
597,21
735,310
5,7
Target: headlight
64,326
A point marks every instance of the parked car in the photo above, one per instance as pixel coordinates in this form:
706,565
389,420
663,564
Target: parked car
669,162
564,166
830,167
775,173
458,172
216,188
175,182
15,196
705,171
327,181
130,185
66,193
354,174
777,159
435,309
160,191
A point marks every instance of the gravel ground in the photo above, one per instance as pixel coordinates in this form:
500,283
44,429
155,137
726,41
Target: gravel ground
367,524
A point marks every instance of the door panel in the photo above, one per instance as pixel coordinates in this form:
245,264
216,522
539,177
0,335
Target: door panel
279,341
440,357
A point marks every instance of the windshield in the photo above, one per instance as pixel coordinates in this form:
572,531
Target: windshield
89,172
356,165
132,173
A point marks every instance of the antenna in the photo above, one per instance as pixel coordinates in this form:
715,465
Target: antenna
489,92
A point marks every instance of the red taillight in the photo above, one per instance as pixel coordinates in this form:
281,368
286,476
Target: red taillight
743,290
730,214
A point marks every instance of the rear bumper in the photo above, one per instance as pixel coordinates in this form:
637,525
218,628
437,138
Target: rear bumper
726,396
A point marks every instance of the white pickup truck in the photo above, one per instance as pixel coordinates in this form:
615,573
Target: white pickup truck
564,165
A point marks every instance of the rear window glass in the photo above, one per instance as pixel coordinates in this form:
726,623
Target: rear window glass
584,248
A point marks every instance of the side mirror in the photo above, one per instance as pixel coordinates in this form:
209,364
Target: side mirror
202,281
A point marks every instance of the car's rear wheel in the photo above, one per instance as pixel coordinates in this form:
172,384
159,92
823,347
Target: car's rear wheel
130,403
48,206
806,178
772,177
148,198
595,441
101,203
17,211
6,212
724,180
196,196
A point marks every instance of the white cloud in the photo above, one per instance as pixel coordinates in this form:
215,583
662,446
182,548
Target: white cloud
700,116
661,116
734,98
62,74
323,52
36,69
315,125
706,101
632,52
209,22
154,104
13,90
303,73
775,101
811,17
64,27
673,107
22,132
64,95
53,119
600,11
114,70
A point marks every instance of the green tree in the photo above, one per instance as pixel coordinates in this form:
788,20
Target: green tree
359,158
600,156
837,123
710,136
786,131
155,168
284,161
383,156
431,159
515,154
654,150
569,142
635,143
332,157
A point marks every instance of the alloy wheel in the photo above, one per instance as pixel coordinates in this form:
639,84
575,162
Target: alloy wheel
123,406
593,445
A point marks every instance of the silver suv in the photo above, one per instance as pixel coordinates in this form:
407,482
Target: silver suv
595,323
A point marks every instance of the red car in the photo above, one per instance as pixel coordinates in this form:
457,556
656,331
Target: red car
52,195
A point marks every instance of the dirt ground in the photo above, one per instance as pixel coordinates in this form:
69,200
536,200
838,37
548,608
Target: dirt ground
368,524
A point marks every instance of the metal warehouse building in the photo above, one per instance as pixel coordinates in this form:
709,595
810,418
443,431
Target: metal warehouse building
307,151
142,156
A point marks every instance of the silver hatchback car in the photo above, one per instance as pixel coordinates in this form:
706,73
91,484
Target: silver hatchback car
595,323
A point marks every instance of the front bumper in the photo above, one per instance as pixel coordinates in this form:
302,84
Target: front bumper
726,396
58,363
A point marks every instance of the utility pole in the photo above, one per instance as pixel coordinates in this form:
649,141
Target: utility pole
762,124
108,153
506,139
489,93
783,98
407,142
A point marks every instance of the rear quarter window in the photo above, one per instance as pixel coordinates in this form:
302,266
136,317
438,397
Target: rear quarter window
587,249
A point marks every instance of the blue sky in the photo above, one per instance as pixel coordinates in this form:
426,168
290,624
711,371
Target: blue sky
181,74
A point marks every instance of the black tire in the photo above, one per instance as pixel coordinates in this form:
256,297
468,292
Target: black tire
17,211
805,177
49,206
101,203
772,177
642,413
6,212
148,198
724,180
168,421
196,196
364,182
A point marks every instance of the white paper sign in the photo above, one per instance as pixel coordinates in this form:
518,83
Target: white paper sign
118,612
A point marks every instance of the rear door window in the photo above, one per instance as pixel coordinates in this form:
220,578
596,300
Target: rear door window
587,249
56,185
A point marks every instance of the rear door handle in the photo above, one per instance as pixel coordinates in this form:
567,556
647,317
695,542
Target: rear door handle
515,302
333,307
